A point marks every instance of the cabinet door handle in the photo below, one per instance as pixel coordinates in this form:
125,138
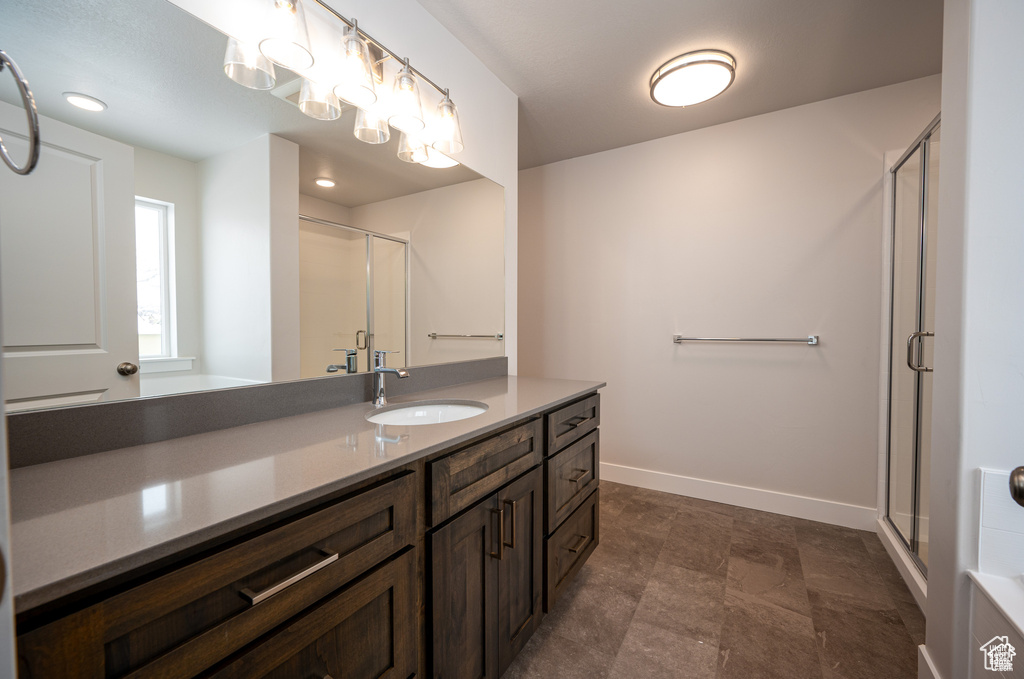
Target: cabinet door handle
580,476
575,549
256,597
584,419
511,545
500,554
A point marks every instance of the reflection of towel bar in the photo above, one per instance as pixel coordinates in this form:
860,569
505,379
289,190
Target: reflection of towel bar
498,336
810,339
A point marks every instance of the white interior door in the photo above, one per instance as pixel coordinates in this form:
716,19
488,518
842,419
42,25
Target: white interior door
68,268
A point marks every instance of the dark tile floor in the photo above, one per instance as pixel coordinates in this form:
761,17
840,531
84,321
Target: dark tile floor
685,588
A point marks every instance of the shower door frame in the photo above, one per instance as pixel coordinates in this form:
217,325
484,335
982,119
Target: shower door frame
370,235
911,545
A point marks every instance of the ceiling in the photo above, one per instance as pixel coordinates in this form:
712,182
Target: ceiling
159,70
581,69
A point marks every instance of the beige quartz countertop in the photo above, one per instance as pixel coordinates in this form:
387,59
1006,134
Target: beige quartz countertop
78,522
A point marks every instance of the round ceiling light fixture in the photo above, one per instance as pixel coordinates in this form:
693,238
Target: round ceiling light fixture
84,101
325,182
693,77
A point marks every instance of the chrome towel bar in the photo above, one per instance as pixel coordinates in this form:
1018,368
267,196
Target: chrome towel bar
496,336
810,339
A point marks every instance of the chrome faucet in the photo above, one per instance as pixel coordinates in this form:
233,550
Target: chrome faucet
350,362
379,370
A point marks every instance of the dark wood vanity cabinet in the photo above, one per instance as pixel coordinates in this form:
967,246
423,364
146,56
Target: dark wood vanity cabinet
443,567
486,581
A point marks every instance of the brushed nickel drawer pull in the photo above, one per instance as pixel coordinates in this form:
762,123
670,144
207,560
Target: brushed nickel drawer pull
256,597
500,554
582,474
511,545
579,544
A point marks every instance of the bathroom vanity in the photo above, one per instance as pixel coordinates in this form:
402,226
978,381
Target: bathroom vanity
314,545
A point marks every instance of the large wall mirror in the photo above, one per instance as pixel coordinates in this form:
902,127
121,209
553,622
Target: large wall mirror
181,228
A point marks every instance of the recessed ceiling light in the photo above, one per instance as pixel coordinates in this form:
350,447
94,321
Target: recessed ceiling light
84,101
325,182
693,77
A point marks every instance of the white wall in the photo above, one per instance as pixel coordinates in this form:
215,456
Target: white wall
249,208
979,365
488,110
322,209
765,227
173,180
456,275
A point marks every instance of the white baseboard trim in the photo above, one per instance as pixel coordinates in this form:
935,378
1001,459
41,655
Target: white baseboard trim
826,511
925,666
916,582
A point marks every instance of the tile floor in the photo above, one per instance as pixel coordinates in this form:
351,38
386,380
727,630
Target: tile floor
685,588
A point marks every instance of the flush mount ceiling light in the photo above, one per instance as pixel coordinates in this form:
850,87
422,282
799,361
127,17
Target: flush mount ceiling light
693,77
84,101
325,182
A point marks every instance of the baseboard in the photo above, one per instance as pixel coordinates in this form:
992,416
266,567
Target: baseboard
925,666
909,571
838,513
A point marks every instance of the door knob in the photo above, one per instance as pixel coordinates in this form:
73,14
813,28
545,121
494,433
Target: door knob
127,369
1017,485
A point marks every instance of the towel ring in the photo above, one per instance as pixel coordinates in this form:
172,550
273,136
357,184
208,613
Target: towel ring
31,114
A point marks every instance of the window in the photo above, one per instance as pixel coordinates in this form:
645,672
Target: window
153,224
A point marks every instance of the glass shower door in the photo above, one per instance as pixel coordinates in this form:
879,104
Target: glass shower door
388,309
915,200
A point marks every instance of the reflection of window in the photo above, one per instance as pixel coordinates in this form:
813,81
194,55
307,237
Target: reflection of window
153,223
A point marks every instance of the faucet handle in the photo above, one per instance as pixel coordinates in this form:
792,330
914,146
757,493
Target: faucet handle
380,357
348,352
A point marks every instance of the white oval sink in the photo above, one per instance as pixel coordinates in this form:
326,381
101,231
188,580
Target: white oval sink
427,412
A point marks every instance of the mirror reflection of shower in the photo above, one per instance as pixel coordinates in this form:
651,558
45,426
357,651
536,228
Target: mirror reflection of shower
915,182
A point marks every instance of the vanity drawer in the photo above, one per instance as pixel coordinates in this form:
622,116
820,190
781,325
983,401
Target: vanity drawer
569,548
185,621
460,479
573,422
571,475
365,631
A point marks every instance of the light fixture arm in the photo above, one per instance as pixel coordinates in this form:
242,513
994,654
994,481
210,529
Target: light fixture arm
353,24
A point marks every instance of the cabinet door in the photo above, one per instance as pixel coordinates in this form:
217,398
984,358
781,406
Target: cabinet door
520,576
464,593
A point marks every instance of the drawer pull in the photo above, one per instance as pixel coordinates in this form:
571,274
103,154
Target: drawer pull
583,420
575,549
580,476
511,545
256,597
500,554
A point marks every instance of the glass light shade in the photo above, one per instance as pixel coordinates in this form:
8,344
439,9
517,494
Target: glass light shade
448,132
692,78
407,113
356,71
318,101
411,149
371,128
244,64
287,39
436,159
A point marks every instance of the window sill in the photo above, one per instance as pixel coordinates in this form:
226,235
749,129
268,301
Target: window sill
166,364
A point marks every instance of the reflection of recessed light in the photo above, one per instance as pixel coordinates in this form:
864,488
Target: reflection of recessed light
692,78
325,182
84,101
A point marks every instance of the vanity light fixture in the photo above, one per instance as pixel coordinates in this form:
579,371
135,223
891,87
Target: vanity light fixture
356,73
449,132
318,101
325,182
411,149
84,101
693,77
246,65
371,128
287,44
407,114
437,159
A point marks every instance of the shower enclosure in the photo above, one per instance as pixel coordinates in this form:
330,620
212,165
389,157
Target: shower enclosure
915,181
353,292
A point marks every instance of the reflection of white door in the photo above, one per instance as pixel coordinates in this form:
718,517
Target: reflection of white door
68,267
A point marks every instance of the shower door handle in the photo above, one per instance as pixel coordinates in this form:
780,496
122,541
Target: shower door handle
912,363
366,339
